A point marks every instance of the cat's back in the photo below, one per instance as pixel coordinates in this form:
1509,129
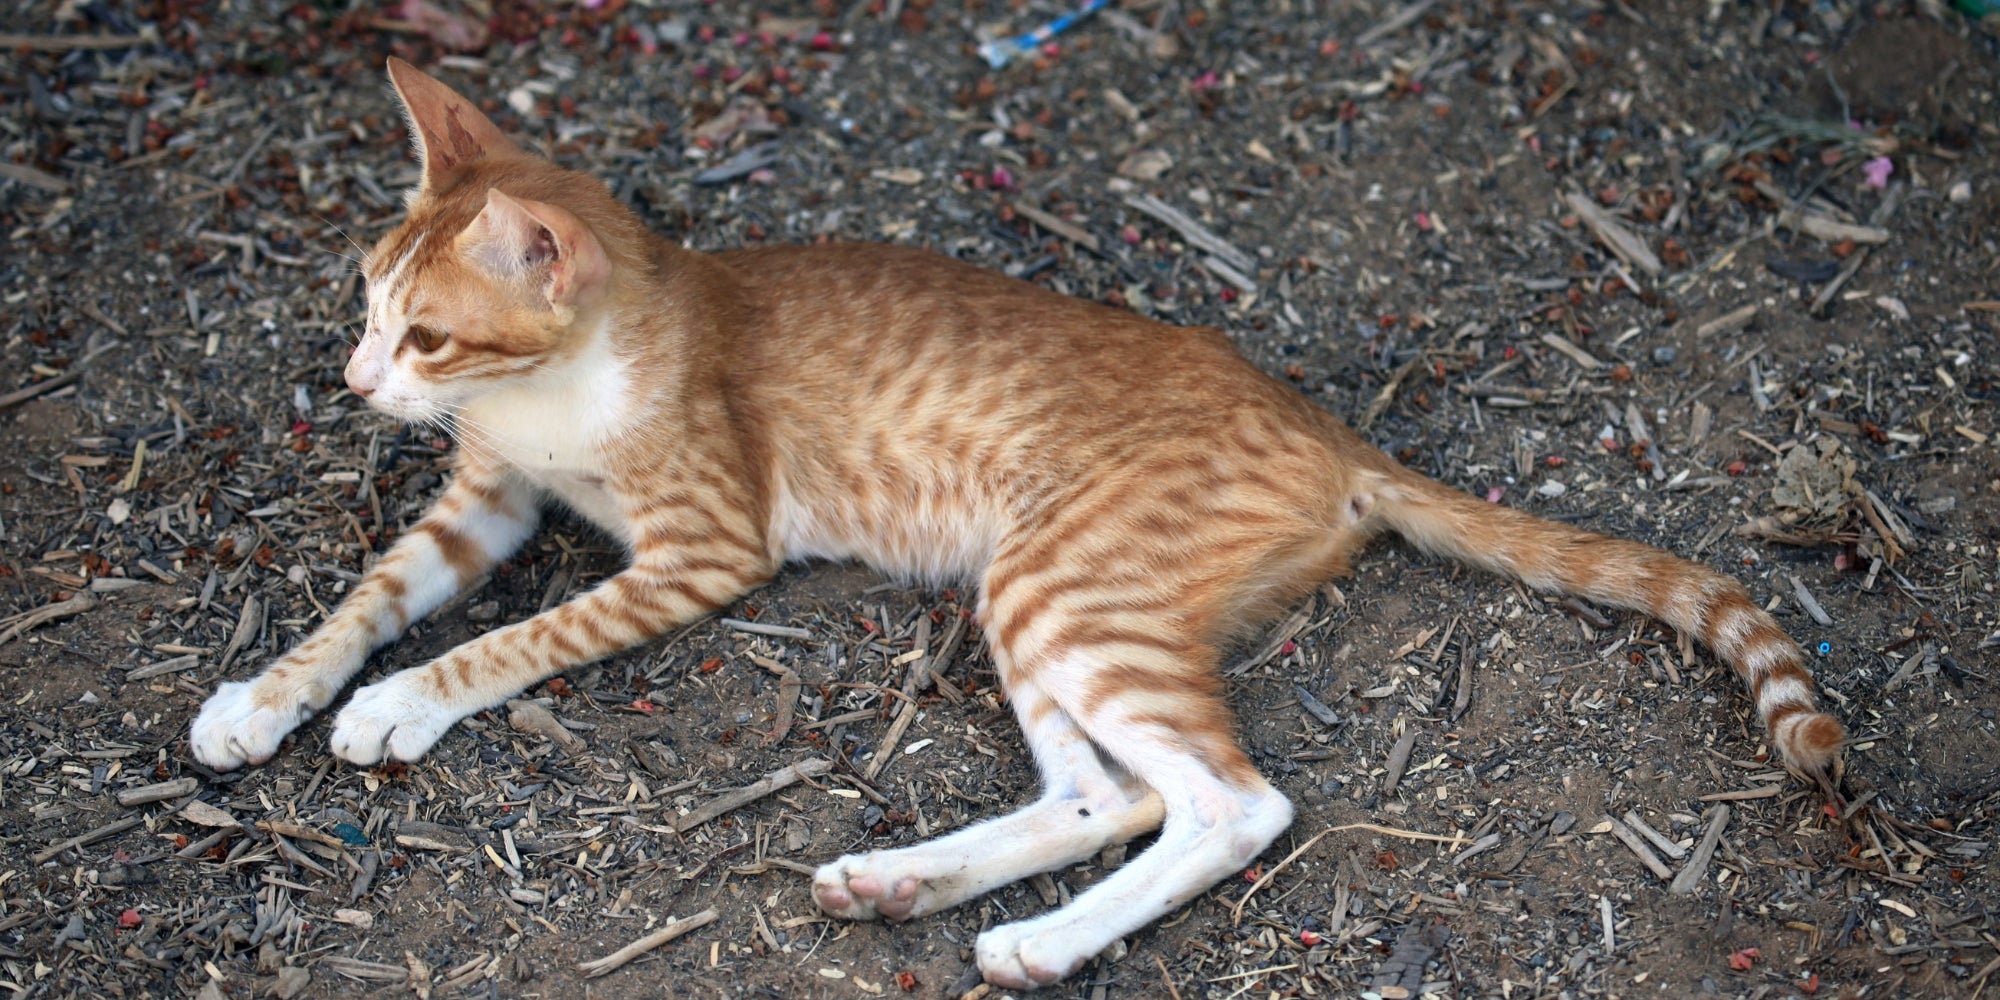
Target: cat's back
908,297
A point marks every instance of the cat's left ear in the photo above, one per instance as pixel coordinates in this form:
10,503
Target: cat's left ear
526,240
447,130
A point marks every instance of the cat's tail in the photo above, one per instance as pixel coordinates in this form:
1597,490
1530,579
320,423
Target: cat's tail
1689,596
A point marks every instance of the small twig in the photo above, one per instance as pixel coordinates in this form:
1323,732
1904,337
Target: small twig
22,395
1192,231
1387,394
1667,847
1807,601
788,697
1266,878
904,717
1061,227
68,43
1696,869
1175,991
1390,831
674,929
1630,839
1613,233
111,829
1878,218
1282,635
1393,23
759,628
783,777
1729,322
12,627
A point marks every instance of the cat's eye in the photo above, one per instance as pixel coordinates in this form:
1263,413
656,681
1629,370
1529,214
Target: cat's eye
428,338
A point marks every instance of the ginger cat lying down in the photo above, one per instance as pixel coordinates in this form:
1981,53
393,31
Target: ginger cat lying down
1127,496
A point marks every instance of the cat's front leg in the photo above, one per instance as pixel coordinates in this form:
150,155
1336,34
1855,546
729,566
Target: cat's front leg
401,716
483,516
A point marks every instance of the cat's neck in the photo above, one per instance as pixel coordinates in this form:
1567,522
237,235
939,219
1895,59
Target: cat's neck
563,418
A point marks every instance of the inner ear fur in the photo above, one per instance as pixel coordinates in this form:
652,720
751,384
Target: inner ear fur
448,130
517,239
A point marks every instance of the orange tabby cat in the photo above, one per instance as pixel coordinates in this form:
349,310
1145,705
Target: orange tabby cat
1128,496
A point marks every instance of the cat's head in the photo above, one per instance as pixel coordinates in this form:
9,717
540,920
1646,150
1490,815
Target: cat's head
500,275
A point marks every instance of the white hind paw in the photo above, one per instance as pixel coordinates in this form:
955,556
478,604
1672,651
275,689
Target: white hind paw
851,889
396,719
1019,956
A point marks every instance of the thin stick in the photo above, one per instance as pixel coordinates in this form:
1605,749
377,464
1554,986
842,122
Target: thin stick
107,830
1390,831
888,748
51,385
1697,867
1630,838
11,628
759,628
611,962
1176,991
1273,873
783,777
65,43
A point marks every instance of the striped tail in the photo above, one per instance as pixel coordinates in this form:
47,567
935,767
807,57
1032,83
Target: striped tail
1689,596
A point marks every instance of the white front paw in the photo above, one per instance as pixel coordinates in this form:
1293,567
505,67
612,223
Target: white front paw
397,718
243,724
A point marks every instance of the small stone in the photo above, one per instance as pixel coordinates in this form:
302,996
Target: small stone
484,611
1664,355
1960,192
1552,489
292,980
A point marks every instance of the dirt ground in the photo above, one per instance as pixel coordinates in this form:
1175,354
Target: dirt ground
1412,220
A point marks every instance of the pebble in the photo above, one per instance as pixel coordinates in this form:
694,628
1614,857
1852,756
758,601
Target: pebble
484,611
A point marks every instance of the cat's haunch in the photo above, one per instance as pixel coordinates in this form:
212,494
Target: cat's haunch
1127,496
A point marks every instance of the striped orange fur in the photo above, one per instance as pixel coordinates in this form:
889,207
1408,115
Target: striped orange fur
1128,496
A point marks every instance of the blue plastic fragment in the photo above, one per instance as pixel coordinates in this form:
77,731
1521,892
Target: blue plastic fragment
350,834
1825,648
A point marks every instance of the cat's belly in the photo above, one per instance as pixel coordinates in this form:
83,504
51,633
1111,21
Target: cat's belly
924,541
586,494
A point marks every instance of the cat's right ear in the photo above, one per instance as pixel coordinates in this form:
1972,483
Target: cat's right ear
447,130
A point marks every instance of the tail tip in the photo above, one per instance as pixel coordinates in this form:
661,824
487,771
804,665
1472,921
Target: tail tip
1814,747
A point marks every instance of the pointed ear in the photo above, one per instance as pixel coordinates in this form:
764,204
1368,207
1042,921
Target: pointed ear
534,241
447,129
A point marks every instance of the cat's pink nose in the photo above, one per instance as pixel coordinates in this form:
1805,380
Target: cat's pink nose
359,387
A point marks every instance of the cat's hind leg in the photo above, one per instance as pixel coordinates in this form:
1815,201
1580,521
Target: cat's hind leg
1159,720
1085,805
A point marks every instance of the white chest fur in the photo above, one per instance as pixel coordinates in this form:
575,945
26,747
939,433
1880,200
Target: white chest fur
554,432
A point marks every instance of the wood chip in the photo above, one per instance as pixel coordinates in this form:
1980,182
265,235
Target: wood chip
1729,322
1692,874
1061,227
597,967
1611,232
157,792
1570,350
1399,759
531,718
1627,836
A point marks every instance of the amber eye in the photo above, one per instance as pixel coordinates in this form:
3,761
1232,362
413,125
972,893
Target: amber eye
428,338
